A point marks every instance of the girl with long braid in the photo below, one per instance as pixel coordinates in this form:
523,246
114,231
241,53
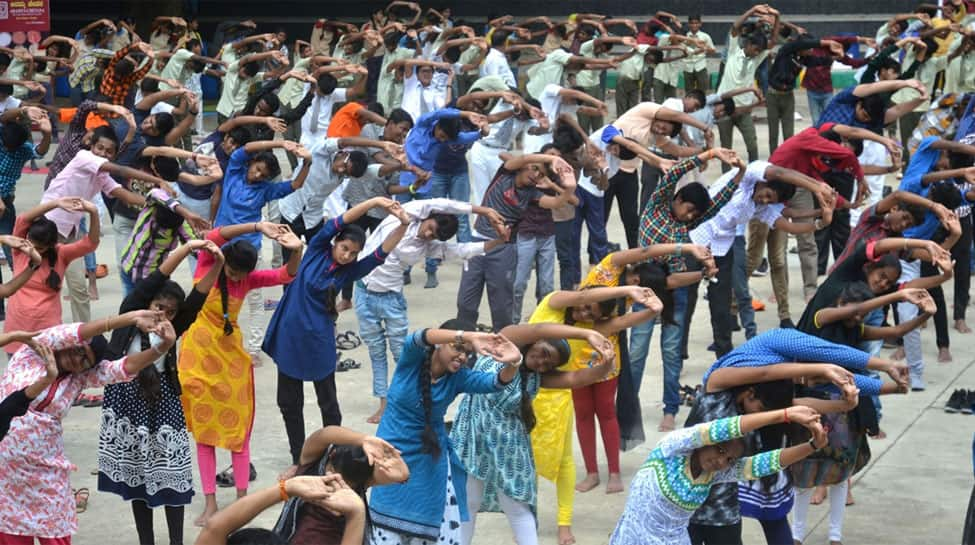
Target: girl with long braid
36,305
215,371
491,431
593,308
430,373
143,447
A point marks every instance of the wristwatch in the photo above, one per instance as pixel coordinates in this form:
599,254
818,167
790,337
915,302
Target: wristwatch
812,443
459,337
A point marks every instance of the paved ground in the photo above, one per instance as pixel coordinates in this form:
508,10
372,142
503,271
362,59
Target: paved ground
915,489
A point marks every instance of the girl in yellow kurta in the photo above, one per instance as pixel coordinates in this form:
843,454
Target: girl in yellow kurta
214,368
598,400
552,436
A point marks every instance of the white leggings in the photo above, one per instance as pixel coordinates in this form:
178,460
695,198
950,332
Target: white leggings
520,516
837,508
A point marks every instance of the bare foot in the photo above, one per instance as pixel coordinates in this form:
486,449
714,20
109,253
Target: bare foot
898,354
291,471
591,481
343,305
615,484
565,535
962,327
666,423
944,355
376,416
209,510
880,435
849,497
92,289
819,495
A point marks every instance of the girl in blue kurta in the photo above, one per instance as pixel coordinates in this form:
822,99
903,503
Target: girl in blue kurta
677,476
301,335
430,373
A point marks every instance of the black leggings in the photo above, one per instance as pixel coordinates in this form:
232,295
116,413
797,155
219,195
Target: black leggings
715,535
143,523
291,401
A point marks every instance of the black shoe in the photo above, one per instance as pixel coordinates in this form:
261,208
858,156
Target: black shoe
787,324
762,269
968,401
614,247
954,403
712,347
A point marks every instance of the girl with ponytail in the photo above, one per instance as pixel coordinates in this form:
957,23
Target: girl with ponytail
37,305
143,447
215,372
431,372
491,431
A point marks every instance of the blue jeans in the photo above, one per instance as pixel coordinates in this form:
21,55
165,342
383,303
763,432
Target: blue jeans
90,262
373,310
564,244
874,319
452,186
592,210
739,283
817,103
128,285
537,253
670,346
7,220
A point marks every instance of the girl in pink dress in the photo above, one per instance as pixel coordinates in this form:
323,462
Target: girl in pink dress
37,502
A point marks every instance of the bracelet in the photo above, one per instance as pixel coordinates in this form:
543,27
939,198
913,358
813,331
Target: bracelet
282,491
785,415
412,189
680,248
108,325
459,336
812,443
34,266
818,224
255,227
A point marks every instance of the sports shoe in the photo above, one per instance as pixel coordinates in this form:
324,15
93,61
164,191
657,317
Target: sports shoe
954,403
968,402
762,269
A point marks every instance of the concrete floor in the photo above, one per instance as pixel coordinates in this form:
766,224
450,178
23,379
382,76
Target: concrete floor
915,489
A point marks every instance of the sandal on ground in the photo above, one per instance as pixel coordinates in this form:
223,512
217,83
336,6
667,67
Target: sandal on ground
225,479
348,340
347,364
81,496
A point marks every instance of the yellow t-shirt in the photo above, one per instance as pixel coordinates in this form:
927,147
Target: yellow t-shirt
605,274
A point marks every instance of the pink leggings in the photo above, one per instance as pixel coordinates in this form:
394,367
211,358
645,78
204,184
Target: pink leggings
206,456
598,400
10,539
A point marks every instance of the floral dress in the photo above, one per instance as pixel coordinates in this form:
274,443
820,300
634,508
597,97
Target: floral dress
663,494
36,473
492,443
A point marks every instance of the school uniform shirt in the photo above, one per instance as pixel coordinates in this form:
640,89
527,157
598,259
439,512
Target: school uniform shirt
9,103
302,321
318,116
235,90
719,231
667,72
309,200
508,200
496,64
176,68
293,90
633,67
706,116
927,72
739,71
588,78
613,164
552,106
411,248
547,72
389,92
79,178
419,99
242,202
697,59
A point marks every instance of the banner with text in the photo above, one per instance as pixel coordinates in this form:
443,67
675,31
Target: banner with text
25,15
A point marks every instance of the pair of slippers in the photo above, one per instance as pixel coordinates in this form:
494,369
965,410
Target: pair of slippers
347,340
225,479
88,400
